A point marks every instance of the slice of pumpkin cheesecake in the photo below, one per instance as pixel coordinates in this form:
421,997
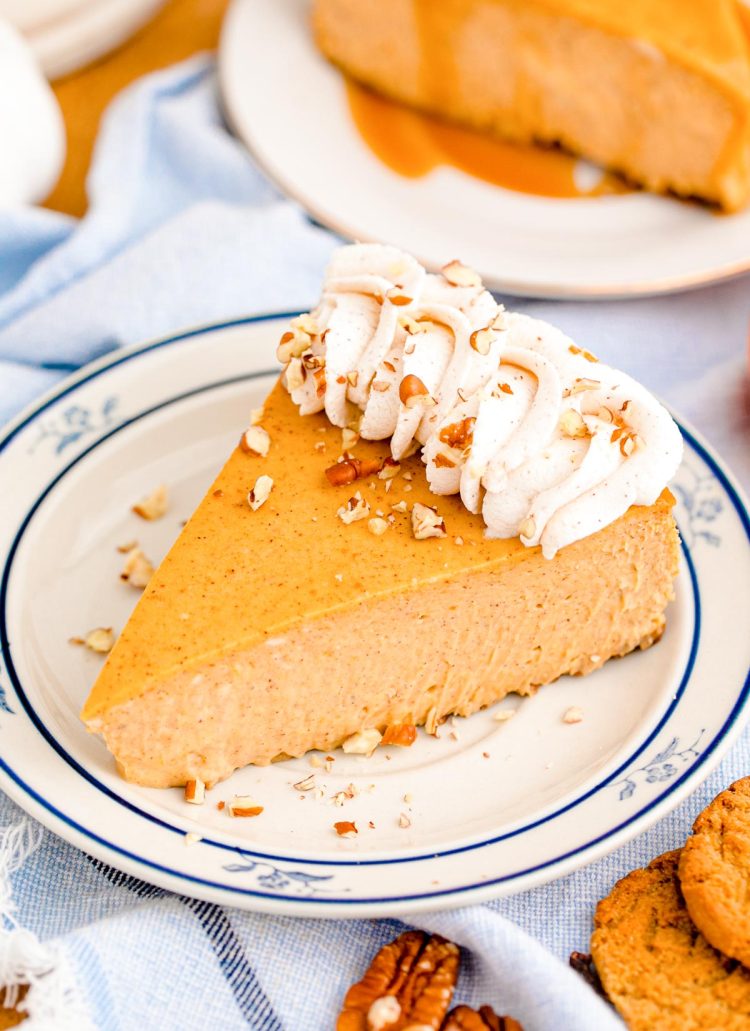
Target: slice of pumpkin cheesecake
656,89
507,522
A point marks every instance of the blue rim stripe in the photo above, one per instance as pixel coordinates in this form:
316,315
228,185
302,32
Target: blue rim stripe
108,846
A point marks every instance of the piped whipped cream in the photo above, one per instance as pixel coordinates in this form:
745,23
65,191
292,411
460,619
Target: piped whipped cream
547,442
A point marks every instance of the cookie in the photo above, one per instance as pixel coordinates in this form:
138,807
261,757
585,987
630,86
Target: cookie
715,872
656,967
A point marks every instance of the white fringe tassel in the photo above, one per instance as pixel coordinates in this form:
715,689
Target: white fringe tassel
53,1001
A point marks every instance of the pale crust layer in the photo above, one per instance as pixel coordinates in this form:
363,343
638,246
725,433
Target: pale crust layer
715,871
656,967
604,80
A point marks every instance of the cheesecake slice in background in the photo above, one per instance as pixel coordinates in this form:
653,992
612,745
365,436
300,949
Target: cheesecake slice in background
658,90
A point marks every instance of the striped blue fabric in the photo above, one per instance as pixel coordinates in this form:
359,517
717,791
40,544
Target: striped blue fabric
225,243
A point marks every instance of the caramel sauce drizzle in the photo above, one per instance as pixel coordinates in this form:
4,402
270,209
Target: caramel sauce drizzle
413,144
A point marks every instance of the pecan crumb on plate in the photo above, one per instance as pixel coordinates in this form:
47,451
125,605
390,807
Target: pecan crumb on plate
154,505
100,640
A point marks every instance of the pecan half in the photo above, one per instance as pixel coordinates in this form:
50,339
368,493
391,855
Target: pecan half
410,983
464,1018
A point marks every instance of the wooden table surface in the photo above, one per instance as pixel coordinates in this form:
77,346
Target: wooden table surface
182,28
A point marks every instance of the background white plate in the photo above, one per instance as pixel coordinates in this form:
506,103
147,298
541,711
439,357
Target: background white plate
290,108
493,809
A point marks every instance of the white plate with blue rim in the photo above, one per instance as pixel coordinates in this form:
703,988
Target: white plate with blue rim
293,114
484,809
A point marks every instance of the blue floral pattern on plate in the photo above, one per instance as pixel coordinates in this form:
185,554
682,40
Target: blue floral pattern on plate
75,422
701,504
287,882
663,766
4,707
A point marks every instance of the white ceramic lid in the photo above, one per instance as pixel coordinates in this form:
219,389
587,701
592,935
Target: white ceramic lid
31,125
29,15
68,34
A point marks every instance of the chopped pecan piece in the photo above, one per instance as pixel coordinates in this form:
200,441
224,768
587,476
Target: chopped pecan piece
464,1018
443,462
459,274
458,434
481,340
629,443
364,742
137,570
260,492
527,528
244,806
581,350
398,298
572,424
255,441
342,473
195,791
425,522
582,383
101,640
307,324
412,392
377,526
355,509
411,325
295,374
389,468
349,438
404,734
292,344
154,505
320,382
410,983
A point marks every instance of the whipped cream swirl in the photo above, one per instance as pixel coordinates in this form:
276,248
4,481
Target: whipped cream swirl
547,442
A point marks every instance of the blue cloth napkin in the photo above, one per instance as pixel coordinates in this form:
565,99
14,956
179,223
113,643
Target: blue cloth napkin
183,229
